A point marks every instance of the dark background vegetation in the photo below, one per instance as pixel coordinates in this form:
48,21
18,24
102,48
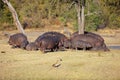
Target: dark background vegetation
41,13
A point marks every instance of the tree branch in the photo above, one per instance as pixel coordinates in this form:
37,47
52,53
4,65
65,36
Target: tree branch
15,16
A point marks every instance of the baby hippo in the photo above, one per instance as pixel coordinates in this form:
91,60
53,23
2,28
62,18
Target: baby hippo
31,46
18,40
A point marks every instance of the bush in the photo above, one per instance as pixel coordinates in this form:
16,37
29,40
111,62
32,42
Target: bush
92,22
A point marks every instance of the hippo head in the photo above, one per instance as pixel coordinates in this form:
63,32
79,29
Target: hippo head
10,41
67,43
31,46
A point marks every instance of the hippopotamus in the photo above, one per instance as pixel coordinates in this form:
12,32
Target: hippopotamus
96,41
56,36
67,44
90,34
31,46
18,40
77,44
47,43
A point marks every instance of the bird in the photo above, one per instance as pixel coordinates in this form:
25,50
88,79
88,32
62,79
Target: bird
57,64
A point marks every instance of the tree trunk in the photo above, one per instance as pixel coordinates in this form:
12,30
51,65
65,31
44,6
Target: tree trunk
77,5
83,20
15,16
81,17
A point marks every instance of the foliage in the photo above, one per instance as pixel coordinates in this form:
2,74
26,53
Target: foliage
111,12
92,22
6,19
34,12
5,15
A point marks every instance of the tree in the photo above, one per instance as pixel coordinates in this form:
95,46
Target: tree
80,5
15,16
110,12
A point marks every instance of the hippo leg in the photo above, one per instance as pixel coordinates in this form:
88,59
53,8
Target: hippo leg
54,50
76,48
84,49
43,50
94,49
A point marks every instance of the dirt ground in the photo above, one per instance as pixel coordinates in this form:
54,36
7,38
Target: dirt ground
18,64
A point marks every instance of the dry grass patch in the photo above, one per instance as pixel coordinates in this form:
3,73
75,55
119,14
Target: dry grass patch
18,64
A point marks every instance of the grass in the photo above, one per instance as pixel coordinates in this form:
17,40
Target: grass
18,64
